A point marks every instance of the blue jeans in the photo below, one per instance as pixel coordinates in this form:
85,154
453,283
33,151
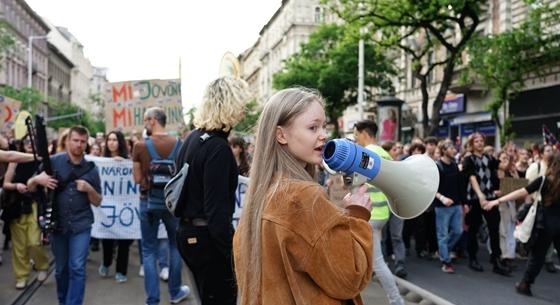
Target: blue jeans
149,223
449,229
163,253
70,255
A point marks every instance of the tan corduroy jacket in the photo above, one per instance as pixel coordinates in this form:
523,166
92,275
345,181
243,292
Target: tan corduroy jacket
313,252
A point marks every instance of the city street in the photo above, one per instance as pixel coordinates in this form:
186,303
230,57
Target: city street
467,287
105,291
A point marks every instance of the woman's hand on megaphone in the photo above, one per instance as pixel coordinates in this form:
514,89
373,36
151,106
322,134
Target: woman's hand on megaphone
360,198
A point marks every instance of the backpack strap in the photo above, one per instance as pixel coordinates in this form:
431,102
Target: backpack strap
175,149
152,150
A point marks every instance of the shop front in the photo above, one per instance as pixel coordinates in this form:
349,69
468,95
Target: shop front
457,124
532,109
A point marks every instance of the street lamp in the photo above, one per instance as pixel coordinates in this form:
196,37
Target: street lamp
30,59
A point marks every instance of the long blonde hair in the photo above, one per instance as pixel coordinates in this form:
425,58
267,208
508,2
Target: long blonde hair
271,162
223,104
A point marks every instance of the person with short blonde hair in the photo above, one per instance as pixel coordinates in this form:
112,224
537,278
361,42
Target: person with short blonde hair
223,104
207,202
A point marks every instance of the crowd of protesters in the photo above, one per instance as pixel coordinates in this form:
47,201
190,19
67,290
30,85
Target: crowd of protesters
469,208
467,202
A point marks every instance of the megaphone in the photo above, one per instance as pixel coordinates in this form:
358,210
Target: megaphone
410,185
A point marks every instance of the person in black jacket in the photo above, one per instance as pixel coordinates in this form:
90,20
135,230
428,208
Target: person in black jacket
207,202
546,229
481,170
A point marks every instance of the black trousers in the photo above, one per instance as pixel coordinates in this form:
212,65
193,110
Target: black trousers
474,220
122,253
212,270
544,237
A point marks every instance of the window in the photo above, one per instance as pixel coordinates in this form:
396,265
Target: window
318,15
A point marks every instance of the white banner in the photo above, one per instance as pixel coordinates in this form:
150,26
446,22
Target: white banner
118,216
242,185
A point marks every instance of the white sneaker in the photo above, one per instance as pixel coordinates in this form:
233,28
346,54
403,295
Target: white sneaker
42,276
164,274
141,271
21,284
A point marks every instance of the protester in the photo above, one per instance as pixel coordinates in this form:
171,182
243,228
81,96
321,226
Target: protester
14,156
391,148
431,144
365,135
205,232
95,150
77,186
548,228
535,170
158,147
481,170
62,141
448,205
293,245
239,149
508,210
522,162
116,148
21,216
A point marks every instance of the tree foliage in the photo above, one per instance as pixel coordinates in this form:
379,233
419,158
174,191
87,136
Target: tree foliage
31,99
328,62
502,62
432,33
252,113
6,42
65,114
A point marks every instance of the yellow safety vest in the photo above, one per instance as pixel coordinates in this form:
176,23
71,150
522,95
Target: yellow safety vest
379,202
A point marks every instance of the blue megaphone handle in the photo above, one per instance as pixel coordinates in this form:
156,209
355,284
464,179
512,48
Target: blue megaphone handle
345,156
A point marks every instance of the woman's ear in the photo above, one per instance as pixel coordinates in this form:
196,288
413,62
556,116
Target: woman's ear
281,135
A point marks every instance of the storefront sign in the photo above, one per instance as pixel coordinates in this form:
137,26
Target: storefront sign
454,103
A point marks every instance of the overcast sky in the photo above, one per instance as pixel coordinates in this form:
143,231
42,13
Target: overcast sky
140,39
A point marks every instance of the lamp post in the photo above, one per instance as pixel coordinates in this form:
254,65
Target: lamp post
30,59
361,76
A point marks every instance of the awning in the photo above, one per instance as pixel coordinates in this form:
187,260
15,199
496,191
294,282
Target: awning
471,118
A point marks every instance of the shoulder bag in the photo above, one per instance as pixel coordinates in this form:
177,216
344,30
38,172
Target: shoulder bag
525,228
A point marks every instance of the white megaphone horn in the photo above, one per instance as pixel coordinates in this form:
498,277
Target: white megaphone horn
410,185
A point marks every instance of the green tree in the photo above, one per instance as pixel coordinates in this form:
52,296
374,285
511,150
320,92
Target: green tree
431,32
65,114
502,62
7,42
328,62
247,125
30,98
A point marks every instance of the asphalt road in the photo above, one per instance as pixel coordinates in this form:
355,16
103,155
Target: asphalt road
467,287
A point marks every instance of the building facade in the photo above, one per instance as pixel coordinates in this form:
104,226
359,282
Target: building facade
60,71
464,110
82,72
280,38
99,86
22,23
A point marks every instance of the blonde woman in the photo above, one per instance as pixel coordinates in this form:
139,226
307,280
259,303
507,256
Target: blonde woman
293,246
205,233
